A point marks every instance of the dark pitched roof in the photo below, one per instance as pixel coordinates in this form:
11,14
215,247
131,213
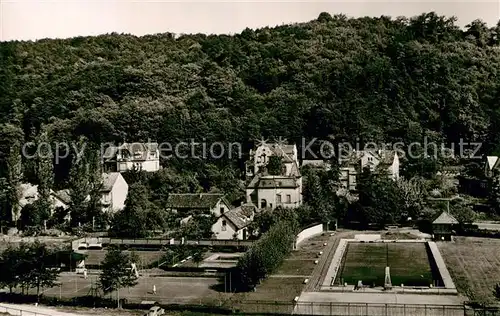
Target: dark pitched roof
445,218
109,180
277,182
261,181
138,151
194,200
62,195
284,151
385,157
241,216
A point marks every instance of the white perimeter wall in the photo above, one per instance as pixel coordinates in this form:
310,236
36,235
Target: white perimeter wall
308,233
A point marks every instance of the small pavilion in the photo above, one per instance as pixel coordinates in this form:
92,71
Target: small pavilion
442,227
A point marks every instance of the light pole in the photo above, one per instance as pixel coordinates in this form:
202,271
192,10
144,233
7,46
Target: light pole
118,295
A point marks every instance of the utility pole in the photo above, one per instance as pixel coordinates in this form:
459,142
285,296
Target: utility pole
118,295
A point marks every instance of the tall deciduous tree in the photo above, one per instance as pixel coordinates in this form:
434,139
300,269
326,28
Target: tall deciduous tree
379,199
494,193
31,265
139,216
116,272
11,138
45,174
85,183
43,271
412,193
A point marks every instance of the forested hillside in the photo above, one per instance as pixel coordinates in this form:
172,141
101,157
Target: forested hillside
376,79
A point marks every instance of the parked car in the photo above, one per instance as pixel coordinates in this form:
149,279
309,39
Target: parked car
155,311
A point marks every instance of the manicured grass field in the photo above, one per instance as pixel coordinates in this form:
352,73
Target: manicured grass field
474,265
95,257
408,262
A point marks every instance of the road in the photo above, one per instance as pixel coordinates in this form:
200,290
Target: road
488,225
30,310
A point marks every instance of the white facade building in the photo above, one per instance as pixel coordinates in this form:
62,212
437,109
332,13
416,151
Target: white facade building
114,192
130,156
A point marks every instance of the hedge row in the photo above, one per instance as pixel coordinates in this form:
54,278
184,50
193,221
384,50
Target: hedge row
266,255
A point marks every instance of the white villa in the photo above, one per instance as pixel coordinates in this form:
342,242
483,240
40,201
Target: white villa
141,156
269,191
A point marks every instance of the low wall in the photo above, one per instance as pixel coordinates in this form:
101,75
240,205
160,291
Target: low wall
443,271
449,286
308,233
334,267
158,243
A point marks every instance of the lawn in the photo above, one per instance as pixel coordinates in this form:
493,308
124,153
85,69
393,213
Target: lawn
408,262
95,257
302,267
474,264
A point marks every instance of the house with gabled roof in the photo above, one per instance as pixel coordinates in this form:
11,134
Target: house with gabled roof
198,203
259,158
29,194
270,191
114,192
234,223
377,161
442,227
491,165
130,156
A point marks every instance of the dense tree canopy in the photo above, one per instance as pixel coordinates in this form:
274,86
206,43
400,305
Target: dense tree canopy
372,79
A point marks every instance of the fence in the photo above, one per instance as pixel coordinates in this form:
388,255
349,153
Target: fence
161,242
20,312
288,308
360,309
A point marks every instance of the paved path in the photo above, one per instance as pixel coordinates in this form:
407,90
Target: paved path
286,276
380,298
31,310
488,225
321,268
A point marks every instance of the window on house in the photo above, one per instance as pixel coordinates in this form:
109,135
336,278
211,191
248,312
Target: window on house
224,225
288,198
278,198
221,210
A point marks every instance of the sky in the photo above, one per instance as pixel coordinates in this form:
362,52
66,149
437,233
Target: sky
37,19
